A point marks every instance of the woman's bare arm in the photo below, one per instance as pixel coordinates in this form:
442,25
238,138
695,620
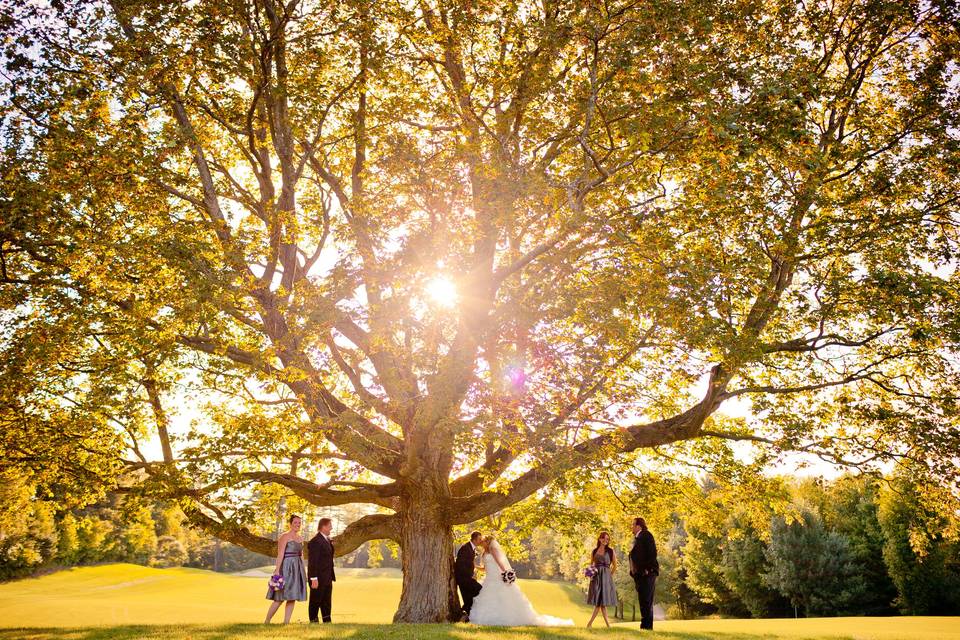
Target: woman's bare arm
281,547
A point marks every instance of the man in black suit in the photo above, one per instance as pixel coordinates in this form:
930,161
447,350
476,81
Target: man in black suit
644,569
463,573
320,571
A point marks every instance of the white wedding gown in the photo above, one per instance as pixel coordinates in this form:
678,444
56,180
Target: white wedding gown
504,604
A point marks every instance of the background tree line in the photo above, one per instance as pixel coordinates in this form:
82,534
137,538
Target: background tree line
747,546
782,546
37,533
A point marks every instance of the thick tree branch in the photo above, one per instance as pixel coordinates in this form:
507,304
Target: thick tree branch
474,481
375,526
371,527
325,497
160,416
238,535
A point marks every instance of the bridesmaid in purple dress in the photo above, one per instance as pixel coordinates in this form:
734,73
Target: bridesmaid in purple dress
602,592
289,565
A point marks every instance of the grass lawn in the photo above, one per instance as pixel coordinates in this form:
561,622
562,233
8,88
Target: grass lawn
124,594
914,629
126,602
901,628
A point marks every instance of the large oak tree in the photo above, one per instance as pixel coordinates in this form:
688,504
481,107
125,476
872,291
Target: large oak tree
431,256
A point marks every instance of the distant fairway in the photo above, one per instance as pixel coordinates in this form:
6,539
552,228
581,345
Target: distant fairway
107,602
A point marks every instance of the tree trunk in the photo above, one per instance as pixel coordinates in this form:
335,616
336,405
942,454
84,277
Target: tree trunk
426,547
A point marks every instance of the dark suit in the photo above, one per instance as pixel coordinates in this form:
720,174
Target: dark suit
320,566
463,572
643,558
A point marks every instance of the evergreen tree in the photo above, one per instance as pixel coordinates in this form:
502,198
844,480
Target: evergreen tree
850,508
744,564
812,567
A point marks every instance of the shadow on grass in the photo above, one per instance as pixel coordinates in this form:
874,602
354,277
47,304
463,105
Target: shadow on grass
349,631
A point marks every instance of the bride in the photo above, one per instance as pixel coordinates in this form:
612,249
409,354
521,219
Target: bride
502,603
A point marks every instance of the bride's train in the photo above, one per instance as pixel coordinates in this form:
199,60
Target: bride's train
504,604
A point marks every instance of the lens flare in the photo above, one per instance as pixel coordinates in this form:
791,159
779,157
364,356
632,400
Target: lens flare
516,377
442,291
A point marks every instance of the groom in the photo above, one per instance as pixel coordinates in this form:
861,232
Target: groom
320,571
463,573
644,570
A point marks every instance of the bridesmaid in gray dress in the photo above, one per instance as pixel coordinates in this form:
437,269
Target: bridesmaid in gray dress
289,565
602,592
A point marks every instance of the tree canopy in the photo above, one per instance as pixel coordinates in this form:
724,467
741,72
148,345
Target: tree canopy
432,256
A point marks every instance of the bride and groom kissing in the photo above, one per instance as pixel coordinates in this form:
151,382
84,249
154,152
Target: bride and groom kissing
498,600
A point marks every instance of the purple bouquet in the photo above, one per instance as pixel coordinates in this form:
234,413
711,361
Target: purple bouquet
509,577
276,582
590,571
